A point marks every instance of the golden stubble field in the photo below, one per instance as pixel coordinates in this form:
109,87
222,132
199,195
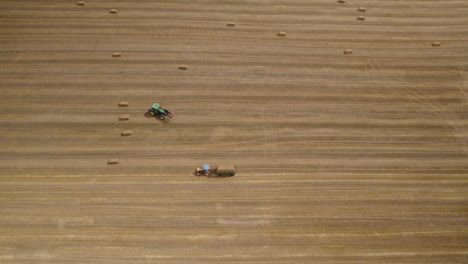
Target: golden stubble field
342,158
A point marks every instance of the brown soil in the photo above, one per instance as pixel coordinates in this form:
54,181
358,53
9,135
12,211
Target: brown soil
342,158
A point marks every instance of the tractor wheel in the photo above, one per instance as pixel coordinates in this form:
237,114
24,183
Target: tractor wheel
151,113
161,117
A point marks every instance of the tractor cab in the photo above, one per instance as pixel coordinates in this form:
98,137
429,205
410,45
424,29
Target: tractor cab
204,170
156,106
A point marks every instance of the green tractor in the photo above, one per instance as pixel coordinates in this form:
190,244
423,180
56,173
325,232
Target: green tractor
161,113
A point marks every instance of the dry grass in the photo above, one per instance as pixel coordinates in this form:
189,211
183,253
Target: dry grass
356,158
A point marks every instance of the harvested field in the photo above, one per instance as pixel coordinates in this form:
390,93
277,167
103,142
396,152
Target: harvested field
358,158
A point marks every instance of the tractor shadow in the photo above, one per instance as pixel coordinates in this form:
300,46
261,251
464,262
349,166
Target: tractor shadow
212,176
149,116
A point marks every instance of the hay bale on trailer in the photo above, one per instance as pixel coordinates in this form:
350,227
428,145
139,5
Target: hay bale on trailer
226,170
